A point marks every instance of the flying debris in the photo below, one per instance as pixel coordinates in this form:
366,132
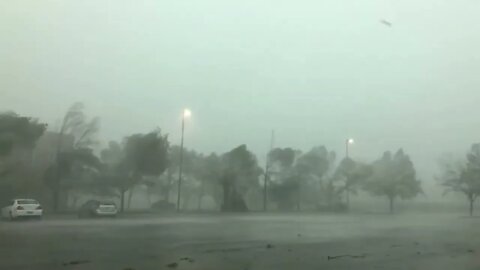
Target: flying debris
387,23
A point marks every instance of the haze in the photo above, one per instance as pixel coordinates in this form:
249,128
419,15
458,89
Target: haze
316,72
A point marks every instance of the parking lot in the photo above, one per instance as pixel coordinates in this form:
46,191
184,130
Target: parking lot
243,241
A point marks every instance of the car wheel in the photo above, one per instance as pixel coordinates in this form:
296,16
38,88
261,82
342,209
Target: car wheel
12,218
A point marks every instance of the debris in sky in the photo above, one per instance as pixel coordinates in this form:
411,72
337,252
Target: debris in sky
190,260
387,23
75,262
346,256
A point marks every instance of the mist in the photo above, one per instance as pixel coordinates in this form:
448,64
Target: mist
327,112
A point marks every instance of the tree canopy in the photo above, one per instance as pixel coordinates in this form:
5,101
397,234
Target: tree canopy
464,177
18,130
394,176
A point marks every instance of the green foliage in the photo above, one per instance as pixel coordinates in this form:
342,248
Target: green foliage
463,177
394,176
146,154
112,155
18,130
352,174
315,163
282,158
75,123
240,166
240,173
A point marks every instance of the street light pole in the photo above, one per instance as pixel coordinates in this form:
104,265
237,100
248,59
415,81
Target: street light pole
347,144
186,113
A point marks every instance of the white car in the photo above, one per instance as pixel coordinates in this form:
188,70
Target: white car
22,208
94,208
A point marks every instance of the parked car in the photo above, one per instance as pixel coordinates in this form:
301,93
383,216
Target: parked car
94,208
22,208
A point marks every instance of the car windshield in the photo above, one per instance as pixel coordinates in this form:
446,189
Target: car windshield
28,201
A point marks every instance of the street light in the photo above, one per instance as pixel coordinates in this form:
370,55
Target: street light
347,143
186,114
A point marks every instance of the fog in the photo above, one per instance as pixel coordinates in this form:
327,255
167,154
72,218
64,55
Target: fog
400,78
316,72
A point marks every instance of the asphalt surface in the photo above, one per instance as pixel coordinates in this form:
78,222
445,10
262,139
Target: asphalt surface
244,242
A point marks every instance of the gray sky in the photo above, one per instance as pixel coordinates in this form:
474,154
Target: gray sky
315,71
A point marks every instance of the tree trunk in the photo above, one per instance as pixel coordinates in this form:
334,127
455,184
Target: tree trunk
298,199
226,197
200,196
168,187
391,199
130,195
347,198
471,206
122,200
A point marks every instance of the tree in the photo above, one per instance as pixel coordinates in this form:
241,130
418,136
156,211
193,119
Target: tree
464,177
282,159
282,177
18,136
352,174
83,131
239,174
209,172
394,176
75,169
18,131
311,168
145,155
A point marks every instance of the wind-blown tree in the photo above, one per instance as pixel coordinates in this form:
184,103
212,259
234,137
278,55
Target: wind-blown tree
18,136
114,179
283,183
464,177
169,180
145,155
282,159
208,171
76,169
74,124
311,168
394,177
240,173
352,175
18,131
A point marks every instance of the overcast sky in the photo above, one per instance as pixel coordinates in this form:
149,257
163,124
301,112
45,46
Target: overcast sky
316,71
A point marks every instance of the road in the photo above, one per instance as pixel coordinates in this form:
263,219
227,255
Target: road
244,241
